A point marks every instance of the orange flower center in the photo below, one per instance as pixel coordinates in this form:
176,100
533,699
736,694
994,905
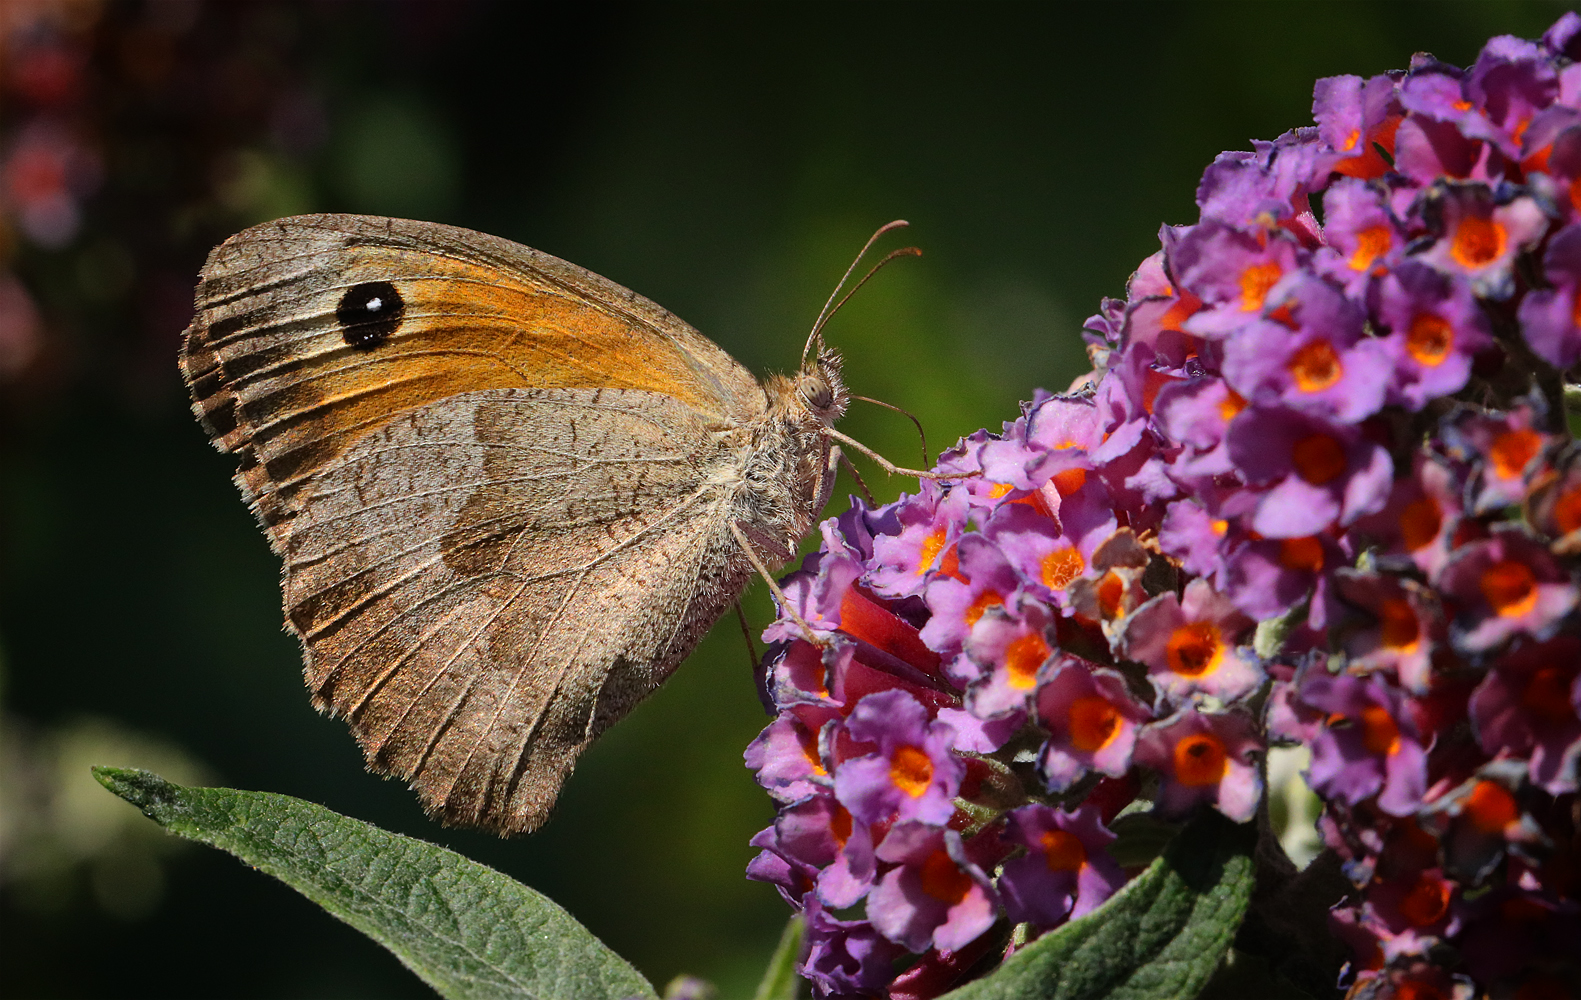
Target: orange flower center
1478,242
1062,851
1491,807
1318,458
1420,521
1069,481
1429,339
1401,630
911,770
1416,989
1379,732
1301,553
1256,280
809,748
999,490
1200,760
1510,588
1111,592
1427,901
1315,366
1371,243
987,599
1062,566
1231,405
1513,450
1094,721
1567,509
1547,694
931,547
1023,657
943,879
1194,649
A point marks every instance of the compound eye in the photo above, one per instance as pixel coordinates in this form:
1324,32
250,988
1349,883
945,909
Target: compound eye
818,394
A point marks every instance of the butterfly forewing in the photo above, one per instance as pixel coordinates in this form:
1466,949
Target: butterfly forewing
499,482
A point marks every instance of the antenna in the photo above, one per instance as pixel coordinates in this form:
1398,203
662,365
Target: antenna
827,312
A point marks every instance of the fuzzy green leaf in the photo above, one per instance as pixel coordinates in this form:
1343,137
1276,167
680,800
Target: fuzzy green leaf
1161,936
466,929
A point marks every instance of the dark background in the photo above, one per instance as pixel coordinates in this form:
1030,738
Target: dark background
724,160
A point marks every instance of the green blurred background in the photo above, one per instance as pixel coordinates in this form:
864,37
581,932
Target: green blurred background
725,160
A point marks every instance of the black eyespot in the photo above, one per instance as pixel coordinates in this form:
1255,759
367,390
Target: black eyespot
369,313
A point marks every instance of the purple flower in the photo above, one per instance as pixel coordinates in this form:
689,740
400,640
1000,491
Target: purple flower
935,896
1008,646
1477,237
1481,820
1268,577
1231,271
1204,759
1501,447
793,878
1092,722
984,579
1419,517
819,832
1315,473
1048,554
1310,354
913,775
1529,705
1353,116
787,761
1363,236
1401,627
1551,317
846,956
1197,413
929,523
1368,747
1188,646
1067,870
1505,585
1436,327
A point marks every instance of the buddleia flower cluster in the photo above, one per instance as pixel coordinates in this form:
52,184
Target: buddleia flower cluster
1319,490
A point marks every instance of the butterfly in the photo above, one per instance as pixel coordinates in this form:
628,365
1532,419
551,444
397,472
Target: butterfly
510,495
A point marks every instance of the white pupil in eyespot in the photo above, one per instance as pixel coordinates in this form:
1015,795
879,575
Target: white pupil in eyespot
375,304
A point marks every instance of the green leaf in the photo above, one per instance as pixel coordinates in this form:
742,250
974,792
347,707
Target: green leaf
780,981
1161,936
466,929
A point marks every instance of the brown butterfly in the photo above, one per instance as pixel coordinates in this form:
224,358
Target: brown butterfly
511,496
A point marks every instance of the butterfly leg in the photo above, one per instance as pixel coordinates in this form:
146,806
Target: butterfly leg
774,587
746,633
836,455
